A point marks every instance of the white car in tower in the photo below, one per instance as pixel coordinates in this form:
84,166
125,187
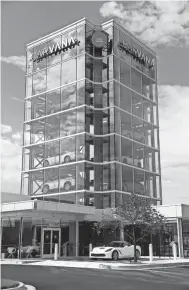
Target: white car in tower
131,161
66,157
66,183
115,250
138,136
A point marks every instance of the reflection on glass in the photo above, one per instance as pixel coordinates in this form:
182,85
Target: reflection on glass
80,93
53,77
66,54
68,97
80,67
68,71
148,133
51,181
81,38
39,82
29,60
53,102
150,184
52,127
80,120
36,156
68,123
42,63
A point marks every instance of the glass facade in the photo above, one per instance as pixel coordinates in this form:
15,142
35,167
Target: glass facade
91,130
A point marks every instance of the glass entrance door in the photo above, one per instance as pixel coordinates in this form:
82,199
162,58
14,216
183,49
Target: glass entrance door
50,237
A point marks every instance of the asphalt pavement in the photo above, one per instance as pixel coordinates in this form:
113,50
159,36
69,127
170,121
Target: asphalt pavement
48,278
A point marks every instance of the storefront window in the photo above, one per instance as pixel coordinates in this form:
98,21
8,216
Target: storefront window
68,71
52,153
10,237
53,102
53,77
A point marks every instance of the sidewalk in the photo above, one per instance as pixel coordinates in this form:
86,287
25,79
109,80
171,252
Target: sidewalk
74,262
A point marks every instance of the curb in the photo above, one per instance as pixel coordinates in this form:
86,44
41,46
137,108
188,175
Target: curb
141,267
20,286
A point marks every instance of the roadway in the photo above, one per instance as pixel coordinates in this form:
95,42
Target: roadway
48,278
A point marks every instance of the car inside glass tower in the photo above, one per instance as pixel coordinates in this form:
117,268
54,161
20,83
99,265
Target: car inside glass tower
91,132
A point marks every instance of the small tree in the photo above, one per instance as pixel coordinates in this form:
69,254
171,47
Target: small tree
135,211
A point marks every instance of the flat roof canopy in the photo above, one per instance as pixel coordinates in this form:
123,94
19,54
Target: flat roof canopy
46,209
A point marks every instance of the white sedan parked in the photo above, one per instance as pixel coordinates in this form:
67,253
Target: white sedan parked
66,183
115,250
63,158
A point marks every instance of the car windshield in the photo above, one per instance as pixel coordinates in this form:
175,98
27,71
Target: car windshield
114,244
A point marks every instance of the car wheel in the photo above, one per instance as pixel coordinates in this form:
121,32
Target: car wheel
125,160
139,164
67,159
45,188
67,186
137,254
115,256
46,163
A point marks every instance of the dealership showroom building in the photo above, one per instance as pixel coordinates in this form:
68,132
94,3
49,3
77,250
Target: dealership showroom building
91,137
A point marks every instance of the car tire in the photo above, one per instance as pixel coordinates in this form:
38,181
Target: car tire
125,160
46,163
67,159
138,254
45,189
67,186
115,256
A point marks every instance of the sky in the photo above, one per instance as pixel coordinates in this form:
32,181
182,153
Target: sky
163,26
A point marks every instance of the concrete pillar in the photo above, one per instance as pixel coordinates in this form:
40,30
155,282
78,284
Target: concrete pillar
74,237
180,238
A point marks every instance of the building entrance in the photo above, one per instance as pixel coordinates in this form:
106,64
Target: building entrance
50,237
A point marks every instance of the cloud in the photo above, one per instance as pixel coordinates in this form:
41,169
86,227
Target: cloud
19,61
174,142
157,23
11,160
5,129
